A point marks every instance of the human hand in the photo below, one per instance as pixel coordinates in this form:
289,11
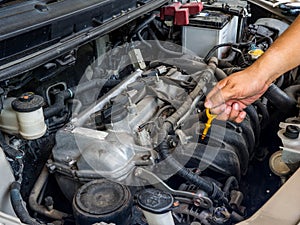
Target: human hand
232,95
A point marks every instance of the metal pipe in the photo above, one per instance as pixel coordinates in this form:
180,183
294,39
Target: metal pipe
83,116
33,198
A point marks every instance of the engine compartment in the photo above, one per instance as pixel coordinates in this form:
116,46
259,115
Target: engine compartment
110,131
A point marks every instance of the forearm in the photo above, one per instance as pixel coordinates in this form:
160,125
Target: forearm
283,55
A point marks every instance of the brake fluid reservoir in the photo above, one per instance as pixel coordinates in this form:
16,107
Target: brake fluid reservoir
30,115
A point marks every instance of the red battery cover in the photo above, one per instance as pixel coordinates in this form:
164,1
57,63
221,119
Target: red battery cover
194,7
169,10
182,17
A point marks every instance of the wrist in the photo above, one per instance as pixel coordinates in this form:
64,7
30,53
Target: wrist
262,73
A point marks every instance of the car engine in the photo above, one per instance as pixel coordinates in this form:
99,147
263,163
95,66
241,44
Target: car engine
102,114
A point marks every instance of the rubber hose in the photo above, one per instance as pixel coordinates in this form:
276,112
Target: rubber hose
142,39
58,105
220,74
252,113
262,109
231,182
211,188
280,99
167,51
17,204
293,91
224,64
143,24
210,53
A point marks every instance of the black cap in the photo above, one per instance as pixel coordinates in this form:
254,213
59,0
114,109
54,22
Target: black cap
292,132
101,197
27,102
155,201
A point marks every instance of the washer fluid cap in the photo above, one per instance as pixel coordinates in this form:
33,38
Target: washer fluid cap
27,102
155,201
255,53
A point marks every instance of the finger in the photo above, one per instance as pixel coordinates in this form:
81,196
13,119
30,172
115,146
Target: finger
225,114
241,117
218,110
214,98
235,111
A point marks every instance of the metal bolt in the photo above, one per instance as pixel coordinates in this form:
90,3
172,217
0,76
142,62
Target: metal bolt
49,203
137,172
69,127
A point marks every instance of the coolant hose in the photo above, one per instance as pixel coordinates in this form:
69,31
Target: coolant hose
59,104
280,99
60,97
209,187
17,204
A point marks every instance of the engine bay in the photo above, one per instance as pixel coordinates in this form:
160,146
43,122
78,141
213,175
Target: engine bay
102,114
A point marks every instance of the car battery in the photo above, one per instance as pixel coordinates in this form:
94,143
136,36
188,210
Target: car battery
208,29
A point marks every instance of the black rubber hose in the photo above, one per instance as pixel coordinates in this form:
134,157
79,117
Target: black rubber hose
229,44
252,113
17,204
224,64
262,109
232,70
293,91
167,51
279,81
209,187
231,182
59,103
269,40
144,24
210,53
280,99
60,97
143,40
220,74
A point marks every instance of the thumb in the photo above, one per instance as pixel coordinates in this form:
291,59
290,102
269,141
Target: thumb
214,98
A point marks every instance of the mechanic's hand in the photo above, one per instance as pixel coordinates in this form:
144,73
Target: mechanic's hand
233,94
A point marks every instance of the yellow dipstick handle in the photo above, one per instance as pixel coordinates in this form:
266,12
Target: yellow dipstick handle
210,118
